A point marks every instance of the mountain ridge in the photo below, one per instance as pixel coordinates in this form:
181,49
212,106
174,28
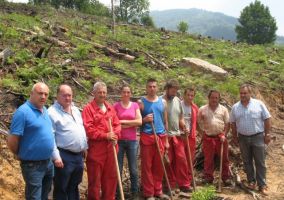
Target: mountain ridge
207,23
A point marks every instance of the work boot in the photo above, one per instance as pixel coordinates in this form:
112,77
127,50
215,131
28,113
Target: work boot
186,189
228,182
163,196
135,196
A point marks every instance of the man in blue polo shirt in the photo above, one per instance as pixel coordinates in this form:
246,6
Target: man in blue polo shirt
32,141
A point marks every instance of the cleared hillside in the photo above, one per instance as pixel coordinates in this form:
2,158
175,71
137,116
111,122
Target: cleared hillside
58,46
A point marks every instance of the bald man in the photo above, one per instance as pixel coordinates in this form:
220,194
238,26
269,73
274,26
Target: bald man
71,143
32,141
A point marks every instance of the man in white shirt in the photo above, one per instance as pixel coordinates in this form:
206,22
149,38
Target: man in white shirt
71,142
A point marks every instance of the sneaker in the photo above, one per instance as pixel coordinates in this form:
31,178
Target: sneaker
251,186
150,198
263,190
163,197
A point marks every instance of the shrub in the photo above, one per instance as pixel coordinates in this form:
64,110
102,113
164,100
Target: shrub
207,193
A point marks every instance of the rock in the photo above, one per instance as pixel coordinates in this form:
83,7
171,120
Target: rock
203,65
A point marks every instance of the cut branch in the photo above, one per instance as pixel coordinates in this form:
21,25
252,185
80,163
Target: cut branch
46,38
161,64
79,84
109,50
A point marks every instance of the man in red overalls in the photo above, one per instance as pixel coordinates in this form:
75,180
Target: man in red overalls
153,110
213,120
190,111
101,168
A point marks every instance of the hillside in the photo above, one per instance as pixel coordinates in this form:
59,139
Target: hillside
58,46
214,24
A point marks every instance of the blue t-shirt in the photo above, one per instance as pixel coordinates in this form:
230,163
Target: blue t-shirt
157,108
35,130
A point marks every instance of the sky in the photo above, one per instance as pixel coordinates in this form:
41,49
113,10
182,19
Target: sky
228,7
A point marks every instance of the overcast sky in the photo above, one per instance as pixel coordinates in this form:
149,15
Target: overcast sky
228,7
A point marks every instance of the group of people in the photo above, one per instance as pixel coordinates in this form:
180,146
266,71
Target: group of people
53,143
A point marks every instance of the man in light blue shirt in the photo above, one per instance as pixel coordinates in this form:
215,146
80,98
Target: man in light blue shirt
71,142
250,127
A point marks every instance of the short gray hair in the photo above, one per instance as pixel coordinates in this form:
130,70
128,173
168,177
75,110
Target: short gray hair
98,84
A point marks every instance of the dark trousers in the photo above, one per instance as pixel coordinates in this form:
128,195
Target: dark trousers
253,154
67,179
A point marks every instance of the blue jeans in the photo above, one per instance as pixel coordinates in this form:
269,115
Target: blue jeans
130,148
67,179
38,178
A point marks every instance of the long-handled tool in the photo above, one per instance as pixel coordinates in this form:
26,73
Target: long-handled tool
221,168
162,160
116,164
190,162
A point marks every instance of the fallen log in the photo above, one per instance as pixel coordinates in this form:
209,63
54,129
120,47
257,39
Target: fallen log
160,63
108,50
79,84
46,38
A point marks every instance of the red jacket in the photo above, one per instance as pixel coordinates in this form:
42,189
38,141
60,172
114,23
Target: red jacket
97,126
193,120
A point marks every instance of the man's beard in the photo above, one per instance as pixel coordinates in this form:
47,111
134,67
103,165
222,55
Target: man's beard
170,97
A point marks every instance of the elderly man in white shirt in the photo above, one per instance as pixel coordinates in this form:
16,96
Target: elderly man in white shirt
250,127
71,142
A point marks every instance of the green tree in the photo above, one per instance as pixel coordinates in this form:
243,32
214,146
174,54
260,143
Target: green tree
182,27
130,9
256,26
147,20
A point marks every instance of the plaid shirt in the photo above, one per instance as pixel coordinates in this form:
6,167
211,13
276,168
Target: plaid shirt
250,119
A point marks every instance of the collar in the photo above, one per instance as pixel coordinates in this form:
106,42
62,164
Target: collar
96,107
58,106
250,100
32,106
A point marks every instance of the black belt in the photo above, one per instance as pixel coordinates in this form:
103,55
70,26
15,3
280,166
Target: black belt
70,152
251,135
35,161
